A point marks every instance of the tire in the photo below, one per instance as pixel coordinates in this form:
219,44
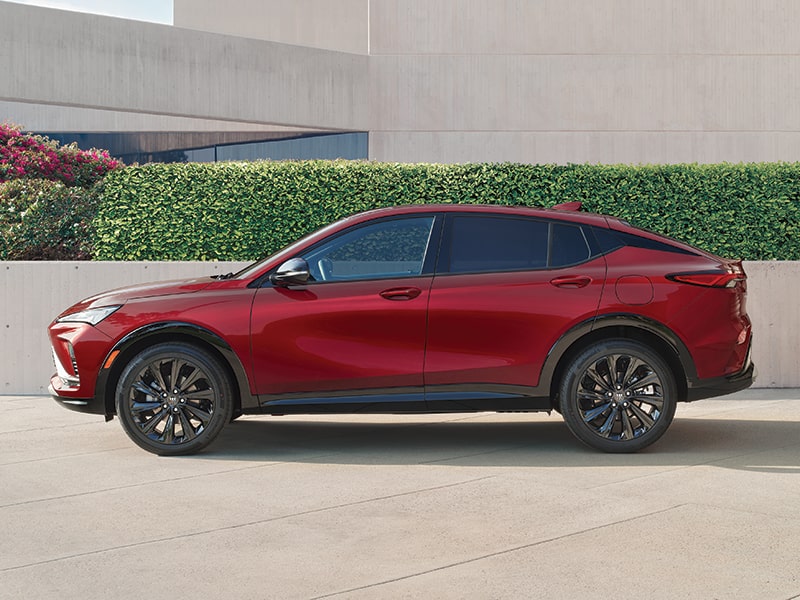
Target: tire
174,399
618,396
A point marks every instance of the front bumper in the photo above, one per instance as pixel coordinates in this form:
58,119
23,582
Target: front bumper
84,405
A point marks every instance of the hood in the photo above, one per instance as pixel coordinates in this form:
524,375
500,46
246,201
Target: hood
143,290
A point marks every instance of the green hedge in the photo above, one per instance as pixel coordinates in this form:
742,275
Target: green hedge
242,211
46,220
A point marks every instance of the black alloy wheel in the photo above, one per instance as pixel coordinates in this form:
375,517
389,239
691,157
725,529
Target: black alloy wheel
618,396
173,399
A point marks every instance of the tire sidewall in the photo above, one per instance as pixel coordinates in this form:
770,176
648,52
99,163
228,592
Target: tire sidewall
568,390
223,407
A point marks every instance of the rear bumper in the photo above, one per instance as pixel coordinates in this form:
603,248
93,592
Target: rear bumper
720,386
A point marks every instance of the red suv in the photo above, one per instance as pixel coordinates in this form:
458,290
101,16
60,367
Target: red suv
451,308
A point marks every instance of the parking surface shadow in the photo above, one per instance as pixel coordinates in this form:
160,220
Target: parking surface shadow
478,441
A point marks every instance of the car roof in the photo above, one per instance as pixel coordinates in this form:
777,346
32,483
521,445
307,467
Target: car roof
501,209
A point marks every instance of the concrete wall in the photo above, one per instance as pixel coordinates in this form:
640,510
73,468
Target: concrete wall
33,293
774,308
329,24
69,59
601,81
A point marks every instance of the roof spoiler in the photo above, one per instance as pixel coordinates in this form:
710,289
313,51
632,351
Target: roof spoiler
571,206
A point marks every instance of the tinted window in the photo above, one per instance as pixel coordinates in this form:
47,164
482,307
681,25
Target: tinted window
568,245
630,239
497,244
605,241
393,248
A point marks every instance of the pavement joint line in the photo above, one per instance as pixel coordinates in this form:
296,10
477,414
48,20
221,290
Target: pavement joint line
663,471
761,451
713,413
90,424
500,552
60,456
243,525
147,483
725,507
709,463
449,458
714,462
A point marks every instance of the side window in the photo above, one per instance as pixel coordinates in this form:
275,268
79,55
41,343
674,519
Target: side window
480,243
391,248
568,245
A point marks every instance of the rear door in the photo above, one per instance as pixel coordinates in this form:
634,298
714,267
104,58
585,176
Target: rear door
506,289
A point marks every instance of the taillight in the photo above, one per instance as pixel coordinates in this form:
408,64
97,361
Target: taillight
715,279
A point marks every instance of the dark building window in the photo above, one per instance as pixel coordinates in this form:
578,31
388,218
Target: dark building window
165,147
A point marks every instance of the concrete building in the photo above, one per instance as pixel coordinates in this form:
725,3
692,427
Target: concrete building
535,81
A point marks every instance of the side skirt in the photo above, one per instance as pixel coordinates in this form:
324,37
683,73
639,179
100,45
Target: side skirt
461,398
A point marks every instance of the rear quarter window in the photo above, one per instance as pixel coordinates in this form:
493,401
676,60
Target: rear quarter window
608,240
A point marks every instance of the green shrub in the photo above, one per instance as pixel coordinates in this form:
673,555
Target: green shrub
242,211
47,201
45,220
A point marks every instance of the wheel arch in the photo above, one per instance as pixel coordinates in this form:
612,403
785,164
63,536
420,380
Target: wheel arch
619,326
156,333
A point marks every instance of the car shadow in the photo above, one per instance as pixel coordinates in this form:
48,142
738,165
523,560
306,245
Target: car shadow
765,446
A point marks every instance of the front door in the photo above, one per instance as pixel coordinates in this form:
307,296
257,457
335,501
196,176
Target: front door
356,332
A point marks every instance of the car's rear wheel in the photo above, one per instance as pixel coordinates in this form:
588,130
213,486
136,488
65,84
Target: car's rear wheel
173,399
618,396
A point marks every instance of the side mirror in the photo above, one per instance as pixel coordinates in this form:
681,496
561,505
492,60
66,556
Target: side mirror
293,271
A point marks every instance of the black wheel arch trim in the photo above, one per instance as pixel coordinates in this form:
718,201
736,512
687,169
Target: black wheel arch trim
595,325
169,329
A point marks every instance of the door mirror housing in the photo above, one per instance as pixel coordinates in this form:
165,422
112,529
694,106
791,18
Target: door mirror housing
293,272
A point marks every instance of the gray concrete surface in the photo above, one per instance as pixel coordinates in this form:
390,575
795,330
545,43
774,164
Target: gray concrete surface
74,60
341,25
432,506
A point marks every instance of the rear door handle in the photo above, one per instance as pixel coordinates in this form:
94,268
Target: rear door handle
571,281
407,293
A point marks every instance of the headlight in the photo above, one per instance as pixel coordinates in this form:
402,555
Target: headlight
92,315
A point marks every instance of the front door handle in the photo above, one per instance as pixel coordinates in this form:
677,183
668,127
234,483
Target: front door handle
406,293
571,281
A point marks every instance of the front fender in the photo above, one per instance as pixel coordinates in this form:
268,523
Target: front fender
171,331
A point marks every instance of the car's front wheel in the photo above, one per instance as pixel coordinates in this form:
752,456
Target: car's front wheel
173,399
618,396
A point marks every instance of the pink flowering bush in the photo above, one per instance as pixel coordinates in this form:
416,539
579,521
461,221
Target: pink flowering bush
48,196
27,156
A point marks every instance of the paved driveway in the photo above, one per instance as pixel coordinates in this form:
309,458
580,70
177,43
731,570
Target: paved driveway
459,506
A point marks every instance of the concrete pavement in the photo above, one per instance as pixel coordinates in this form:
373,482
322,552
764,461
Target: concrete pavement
426,506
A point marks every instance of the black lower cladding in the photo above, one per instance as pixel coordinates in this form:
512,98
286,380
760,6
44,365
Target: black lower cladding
721,386
461,398
84,405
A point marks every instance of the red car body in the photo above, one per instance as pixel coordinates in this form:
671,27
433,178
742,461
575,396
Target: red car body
445,330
